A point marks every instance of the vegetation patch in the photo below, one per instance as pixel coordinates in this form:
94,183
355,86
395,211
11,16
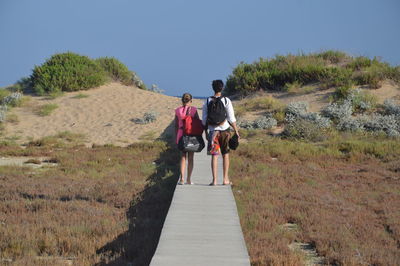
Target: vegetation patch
290,72
148,117
342,193
98,206
46,109
71,72
80,96
67,72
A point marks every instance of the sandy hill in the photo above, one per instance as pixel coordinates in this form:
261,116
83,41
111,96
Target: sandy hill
105,116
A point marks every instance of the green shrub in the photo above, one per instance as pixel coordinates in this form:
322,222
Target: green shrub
116,70
337,77
359,63
67,72
292,72
273,74
302,129
46,109
342,93
22,85
80,96
332,56
3,94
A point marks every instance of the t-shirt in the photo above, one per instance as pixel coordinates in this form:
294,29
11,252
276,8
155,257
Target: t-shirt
230,114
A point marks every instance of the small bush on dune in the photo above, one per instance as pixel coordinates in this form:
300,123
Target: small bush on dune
304,129
116,70
349,100
148,117
46,109
362,101
342,93
264,122
22,85
67,72
391,108
332,56
359,63
3,94
301,124
338,110
13,99
72,72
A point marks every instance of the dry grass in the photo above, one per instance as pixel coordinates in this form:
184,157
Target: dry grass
46,109
344,195
259,103
101,205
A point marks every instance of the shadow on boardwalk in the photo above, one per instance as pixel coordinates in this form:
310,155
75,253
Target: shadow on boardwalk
146,214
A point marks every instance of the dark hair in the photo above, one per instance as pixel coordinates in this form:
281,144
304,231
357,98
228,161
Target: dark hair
186,97
217,85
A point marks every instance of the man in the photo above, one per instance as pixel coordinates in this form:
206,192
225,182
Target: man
218,116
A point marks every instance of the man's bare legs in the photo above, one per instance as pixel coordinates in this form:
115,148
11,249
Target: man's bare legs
225,159
214,168
190,167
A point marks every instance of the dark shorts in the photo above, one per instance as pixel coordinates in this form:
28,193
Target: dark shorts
218,142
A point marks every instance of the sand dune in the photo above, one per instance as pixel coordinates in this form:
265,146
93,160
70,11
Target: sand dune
105,116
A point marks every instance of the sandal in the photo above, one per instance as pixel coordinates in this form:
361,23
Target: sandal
225,184
181,183
212,184
189,183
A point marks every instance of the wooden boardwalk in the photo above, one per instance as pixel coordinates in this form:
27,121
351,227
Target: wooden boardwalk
202,226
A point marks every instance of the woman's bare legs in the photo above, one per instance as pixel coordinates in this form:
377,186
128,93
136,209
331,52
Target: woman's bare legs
190,167
183,166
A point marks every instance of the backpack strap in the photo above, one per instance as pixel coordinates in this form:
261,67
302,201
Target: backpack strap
188,110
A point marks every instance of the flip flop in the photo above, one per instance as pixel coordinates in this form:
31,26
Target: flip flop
225,184
191,183
180,183
212,184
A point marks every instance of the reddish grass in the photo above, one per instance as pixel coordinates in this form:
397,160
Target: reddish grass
88,206
346,201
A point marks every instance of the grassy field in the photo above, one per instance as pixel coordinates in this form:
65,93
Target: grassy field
100,206
343,195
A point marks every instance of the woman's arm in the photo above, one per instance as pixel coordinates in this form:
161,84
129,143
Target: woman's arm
176,125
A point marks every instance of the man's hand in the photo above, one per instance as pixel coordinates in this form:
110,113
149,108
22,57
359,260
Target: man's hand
237,133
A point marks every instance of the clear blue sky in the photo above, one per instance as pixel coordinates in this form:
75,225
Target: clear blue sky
182,45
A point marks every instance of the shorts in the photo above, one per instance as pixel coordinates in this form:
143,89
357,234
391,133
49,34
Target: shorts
218,142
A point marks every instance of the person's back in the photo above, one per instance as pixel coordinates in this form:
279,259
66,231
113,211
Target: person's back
218,117
180,113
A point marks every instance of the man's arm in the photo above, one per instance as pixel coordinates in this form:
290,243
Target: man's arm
231,116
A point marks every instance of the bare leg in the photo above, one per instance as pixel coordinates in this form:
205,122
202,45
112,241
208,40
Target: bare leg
183,165
214,167
225,158
190,166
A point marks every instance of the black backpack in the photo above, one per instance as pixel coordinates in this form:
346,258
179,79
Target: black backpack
216,113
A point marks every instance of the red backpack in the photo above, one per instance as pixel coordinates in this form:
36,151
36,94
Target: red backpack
192,126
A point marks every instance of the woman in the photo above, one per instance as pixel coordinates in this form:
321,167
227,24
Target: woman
180,113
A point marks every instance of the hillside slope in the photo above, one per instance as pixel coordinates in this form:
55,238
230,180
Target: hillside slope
105,116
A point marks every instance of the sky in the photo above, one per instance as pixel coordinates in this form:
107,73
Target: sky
183,45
